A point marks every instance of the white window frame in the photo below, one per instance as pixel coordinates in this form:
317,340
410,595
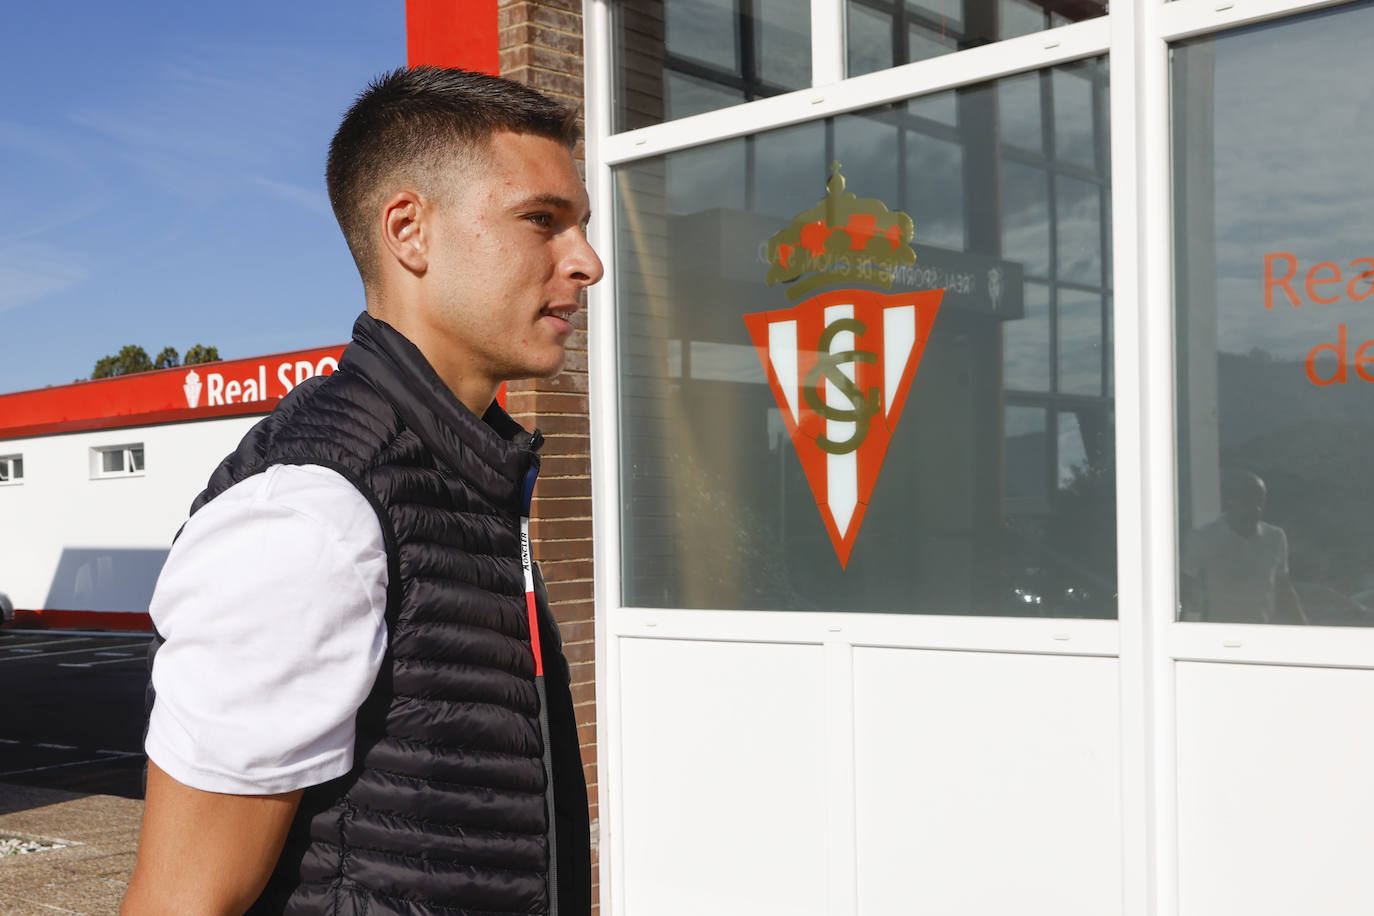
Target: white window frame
99,452
8,461
1146,637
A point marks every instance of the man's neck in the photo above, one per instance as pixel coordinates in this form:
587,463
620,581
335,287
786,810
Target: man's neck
473,390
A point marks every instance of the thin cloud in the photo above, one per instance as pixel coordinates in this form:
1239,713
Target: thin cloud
29,273
315,201
69,191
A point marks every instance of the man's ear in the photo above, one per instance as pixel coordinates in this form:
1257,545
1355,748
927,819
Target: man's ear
405,230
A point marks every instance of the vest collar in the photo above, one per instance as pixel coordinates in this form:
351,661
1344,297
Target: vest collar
492,453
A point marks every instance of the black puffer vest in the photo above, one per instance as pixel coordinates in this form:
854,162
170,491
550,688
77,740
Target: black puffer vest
458,762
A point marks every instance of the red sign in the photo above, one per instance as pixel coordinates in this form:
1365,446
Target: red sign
199,392
840,365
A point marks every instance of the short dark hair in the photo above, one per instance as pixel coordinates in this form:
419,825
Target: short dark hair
412,122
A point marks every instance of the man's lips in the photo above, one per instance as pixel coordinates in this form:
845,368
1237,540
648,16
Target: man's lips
562,314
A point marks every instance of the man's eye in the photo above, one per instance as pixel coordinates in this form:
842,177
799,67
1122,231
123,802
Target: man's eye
544,220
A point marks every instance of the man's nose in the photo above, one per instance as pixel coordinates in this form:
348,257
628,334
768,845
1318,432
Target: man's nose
583,264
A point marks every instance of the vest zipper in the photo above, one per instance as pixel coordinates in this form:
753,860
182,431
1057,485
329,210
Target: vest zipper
532,611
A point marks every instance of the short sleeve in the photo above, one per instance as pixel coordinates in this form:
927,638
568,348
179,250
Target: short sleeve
272,604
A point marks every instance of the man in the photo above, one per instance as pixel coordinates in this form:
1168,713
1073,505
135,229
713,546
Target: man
349,711
1235,569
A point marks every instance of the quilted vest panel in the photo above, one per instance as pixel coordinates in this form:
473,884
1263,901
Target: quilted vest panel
446,810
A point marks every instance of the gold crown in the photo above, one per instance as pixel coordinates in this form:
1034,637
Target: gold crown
841,239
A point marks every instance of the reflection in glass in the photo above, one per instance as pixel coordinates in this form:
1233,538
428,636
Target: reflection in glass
996,495
870,39
675,58
1078,211
1026,343
1018,108
935,176
1075,137
904,32
688,95
1026,446
1080,342
1026,197
1272,239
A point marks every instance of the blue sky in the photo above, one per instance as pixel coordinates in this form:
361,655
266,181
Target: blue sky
162,176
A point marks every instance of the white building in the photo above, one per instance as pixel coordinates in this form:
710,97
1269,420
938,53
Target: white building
96,478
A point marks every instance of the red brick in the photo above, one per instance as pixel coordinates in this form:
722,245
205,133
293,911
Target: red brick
584,693
573,611
558,529
558,487
545,402
561,550
559,466
577,630
579,590
564,425
562,20
568,570
583,651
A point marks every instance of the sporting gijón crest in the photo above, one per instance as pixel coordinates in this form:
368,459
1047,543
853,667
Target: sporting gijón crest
841,362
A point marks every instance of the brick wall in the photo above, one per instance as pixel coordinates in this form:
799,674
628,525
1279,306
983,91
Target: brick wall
541,46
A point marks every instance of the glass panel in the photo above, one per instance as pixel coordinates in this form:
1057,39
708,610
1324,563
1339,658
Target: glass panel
1018,108
869,36
1026,203
1274,321
795,155
689,95
1026,343
942,107
871,431
1079,215
112,461
704,30
1074,137
136,458
1020,17
917,31
17,466
935,176
675,58
784,53
4,470
1026,445
1080,342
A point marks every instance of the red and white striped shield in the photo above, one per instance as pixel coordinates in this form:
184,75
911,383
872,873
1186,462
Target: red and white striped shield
840,365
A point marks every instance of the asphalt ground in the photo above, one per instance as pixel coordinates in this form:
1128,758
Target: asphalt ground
71,711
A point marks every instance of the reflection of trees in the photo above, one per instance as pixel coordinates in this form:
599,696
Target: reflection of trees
1067,560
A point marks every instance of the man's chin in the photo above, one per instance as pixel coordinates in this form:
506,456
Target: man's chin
542,371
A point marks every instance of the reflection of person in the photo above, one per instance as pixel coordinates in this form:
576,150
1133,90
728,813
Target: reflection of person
1235,569
350,712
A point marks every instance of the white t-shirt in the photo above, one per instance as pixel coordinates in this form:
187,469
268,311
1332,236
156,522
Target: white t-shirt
1237,573
272,602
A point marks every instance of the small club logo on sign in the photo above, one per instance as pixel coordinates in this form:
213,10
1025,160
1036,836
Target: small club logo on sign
192,389
841,362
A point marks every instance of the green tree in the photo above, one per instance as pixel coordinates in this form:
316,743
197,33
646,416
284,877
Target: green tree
200,354
167,359
131,358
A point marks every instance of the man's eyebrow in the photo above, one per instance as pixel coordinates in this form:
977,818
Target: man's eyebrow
551,200
545,200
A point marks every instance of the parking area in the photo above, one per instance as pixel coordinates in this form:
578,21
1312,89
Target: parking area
73,710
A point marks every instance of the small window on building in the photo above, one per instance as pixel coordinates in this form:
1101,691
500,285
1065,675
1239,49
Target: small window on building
11,469
117,460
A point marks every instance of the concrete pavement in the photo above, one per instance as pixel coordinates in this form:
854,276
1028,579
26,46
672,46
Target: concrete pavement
88,876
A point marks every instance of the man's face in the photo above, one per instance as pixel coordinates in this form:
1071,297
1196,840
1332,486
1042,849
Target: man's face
509,260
